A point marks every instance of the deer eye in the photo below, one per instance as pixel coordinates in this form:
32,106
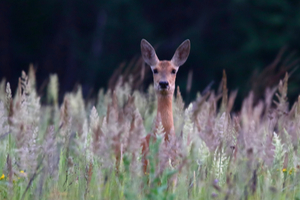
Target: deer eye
155,71
173,71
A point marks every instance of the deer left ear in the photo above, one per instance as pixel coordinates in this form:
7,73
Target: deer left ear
148,53
181,53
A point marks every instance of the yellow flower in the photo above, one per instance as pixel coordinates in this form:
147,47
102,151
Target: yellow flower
284,170
2,177
291,171
22,172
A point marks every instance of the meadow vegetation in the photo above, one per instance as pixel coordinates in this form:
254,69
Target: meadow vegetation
90,149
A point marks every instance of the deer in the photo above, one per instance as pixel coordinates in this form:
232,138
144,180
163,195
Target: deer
164,76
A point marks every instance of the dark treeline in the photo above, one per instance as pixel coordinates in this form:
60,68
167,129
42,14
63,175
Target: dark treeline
86,41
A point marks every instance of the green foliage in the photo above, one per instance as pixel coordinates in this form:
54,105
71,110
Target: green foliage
92,150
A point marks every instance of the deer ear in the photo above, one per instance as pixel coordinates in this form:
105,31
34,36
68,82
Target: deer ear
181,53
148,53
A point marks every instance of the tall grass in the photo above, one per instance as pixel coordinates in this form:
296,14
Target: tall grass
86,149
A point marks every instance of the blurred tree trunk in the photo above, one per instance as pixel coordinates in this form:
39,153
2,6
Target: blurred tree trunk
5,51
61,55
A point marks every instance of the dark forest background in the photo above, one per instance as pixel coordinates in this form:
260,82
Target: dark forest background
84,42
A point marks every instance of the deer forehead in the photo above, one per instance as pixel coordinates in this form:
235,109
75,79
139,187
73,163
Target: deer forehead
165,65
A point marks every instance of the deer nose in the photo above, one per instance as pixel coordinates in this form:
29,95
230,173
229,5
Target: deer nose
163,84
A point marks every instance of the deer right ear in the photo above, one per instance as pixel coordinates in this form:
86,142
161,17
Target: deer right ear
181,53
148,53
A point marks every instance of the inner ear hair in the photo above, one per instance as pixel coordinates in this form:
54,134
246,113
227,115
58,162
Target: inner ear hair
148,53
182,53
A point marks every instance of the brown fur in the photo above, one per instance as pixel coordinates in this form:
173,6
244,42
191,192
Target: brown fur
163,71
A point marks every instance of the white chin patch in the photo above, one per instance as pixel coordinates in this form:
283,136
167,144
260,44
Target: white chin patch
163,88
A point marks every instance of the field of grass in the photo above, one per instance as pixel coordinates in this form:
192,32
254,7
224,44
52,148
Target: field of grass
69,151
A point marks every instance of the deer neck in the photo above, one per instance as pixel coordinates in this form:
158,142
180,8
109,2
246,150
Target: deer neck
164,110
